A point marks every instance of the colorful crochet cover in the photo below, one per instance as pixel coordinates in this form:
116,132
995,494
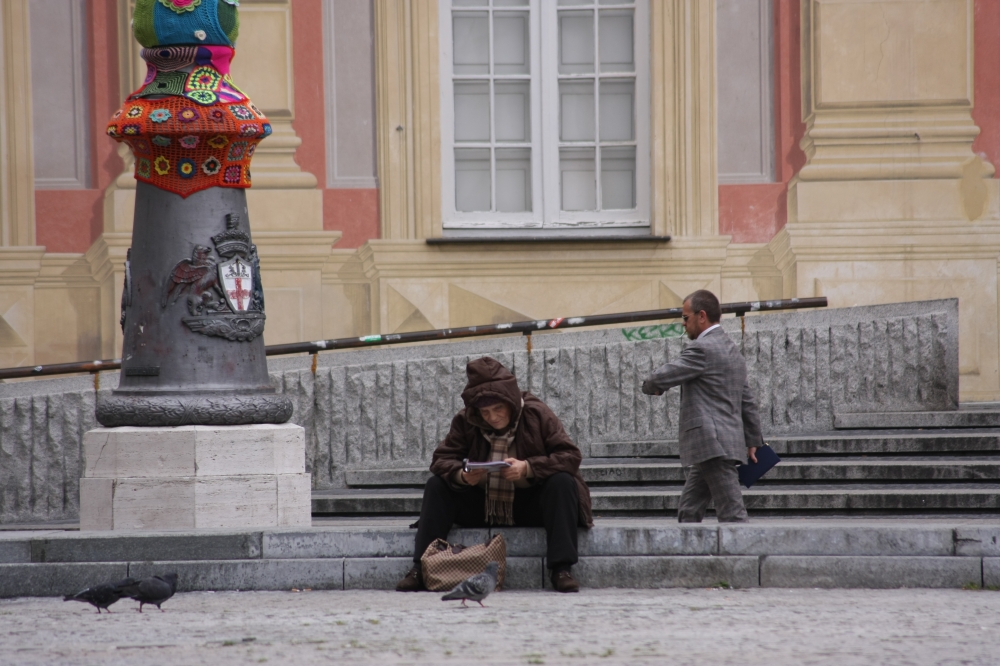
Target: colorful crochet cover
189,126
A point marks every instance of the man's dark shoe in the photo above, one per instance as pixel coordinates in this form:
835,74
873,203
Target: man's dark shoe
413,581
563,581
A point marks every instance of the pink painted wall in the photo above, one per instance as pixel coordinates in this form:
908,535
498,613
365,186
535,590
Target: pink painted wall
986,110
755,213
351,211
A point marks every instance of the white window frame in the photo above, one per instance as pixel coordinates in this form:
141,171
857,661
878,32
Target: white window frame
546,210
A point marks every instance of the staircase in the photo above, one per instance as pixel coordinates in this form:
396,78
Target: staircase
846,472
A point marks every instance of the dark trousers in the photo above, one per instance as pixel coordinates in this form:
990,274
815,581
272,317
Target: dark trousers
715,479
553,504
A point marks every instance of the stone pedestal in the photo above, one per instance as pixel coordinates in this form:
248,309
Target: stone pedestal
192,477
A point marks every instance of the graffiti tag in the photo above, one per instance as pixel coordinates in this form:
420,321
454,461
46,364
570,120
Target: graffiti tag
658,332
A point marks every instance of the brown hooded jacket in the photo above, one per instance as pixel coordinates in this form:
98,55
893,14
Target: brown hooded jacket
540,438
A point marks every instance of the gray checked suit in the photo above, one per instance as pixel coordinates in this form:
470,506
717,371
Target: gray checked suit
718,422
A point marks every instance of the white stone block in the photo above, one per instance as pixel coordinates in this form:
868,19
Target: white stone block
160,503
294,500
195,477
236,501
96,497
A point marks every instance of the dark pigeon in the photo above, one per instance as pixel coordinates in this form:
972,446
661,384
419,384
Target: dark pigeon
103,595
153,590
476,587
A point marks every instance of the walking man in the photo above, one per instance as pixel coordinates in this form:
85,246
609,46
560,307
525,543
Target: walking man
718,415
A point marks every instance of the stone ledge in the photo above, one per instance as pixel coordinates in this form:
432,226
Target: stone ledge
326,574
991,572
893,420
870,572
667,571
55,580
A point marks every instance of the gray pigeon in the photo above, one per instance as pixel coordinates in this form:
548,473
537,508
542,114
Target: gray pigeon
476,587
153,590
103,595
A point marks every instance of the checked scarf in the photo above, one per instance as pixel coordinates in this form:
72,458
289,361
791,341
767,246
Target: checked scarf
500,491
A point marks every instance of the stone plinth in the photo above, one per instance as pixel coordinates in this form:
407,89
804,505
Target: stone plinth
194,477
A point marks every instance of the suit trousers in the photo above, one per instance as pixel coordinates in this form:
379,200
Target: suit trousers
552,503
714,479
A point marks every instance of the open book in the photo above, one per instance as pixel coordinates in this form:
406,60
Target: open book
494,466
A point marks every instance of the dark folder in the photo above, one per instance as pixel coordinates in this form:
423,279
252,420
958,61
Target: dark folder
752,471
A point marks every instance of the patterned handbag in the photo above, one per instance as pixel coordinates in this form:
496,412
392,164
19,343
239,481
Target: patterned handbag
446,565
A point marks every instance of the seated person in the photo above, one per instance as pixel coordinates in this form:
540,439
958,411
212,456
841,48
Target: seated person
542,486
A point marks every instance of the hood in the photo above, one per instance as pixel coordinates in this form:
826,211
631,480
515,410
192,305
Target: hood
489,378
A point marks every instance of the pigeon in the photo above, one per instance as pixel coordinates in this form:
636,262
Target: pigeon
153,590
103,595
476,587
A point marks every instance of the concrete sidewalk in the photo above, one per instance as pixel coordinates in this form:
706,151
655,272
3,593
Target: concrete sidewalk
700,626
344,554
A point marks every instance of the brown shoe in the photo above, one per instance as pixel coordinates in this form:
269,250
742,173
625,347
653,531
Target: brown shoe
563,581
413,581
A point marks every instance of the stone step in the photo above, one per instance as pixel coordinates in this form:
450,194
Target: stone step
612,471
855,442
850,499
618,552
961,418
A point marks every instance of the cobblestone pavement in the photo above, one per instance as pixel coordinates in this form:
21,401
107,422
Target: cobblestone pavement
703,626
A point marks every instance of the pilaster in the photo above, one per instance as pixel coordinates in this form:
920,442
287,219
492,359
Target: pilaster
17,179
685,181
893,204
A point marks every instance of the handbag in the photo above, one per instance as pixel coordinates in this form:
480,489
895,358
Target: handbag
446,565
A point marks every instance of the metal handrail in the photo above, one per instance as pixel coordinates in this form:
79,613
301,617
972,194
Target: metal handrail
524,327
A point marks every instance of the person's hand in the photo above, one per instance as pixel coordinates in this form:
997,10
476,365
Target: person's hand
752,453
518,469
474,477
650,389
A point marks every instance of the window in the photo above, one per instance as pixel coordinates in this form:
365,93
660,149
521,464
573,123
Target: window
545,114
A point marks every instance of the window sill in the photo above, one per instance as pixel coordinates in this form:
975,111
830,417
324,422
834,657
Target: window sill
529,238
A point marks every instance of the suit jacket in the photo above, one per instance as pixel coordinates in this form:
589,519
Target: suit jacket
718,413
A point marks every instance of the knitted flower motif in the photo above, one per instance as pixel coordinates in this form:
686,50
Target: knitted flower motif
251,150
237,151
159,116
186,168
113,131
232,174
203,97
180,6
118,114
142,167
253,107
140,146
267,130
249,130
162,165
216,115
190,141
218,141
161,141
204,78
241,112
211,166
246,174
131,129
134,112
188,115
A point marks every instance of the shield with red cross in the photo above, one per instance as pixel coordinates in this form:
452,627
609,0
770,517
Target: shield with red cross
236,277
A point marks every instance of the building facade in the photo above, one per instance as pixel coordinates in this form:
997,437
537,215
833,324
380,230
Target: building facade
443,163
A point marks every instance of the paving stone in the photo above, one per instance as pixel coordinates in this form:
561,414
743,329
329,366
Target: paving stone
755,539
977,541
667,571
869,572
991,572
355,542
138,546
318,574
47,580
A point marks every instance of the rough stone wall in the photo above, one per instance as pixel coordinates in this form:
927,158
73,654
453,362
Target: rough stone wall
389,407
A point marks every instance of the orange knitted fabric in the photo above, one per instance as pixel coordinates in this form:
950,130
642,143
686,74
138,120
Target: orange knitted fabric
184,146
